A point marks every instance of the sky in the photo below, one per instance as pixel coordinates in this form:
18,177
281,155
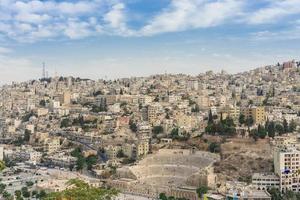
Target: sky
113,38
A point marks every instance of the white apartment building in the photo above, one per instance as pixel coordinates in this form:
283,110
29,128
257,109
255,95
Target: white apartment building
265,181
287,167
138,149
112,151
174,98
145,100
192,84
51,145
42,111
28,154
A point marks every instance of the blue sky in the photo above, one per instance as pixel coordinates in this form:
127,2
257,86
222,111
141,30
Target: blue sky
114,38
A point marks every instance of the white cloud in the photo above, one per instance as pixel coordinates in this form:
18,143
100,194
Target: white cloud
116,20
76,29
4,50
291,34
192,14
277,9
31,20
115,17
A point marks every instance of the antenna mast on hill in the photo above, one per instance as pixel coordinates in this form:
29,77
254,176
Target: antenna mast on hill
44,71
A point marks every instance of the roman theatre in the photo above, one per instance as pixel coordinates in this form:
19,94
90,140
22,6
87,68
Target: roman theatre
168,170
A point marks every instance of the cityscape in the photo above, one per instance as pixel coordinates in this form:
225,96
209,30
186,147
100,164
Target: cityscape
149,100
213,135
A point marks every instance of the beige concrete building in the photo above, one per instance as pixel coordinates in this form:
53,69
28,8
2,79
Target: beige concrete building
51,145
187,122
67,98
142,148
232,112
112,151
42,111
257,113
152,112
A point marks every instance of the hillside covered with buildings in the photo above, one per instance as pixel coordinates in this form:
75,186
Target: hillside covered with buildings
212,135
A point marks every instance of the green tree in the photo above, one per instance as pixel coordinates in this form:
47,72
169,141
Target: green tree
90,161
214,147
120,154
2,188
2,166
167,116
210,117
162,196
254,134
285,126
157,130
242,119
132,126
175,133
80,190
76,152
27,135
80,163
196,108
43,103
18,193
99,92
101,108
250,102
210,128
262,133
29,183
34,193
7,196
271,129
279,129
292,126
25,192
202,190
275,194
249,121
41,195
65,123
27,116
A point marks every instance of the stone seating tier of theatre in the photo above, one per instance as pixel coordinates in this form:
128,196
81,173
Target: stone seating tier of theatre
170,167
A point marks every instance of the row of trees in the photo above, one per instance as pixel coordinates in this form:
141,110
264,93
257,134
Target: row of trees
288,195
271,129
248,121
222,127
79,190
66,122
163,196
83,162
228,127
22,194
101,108
176,135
